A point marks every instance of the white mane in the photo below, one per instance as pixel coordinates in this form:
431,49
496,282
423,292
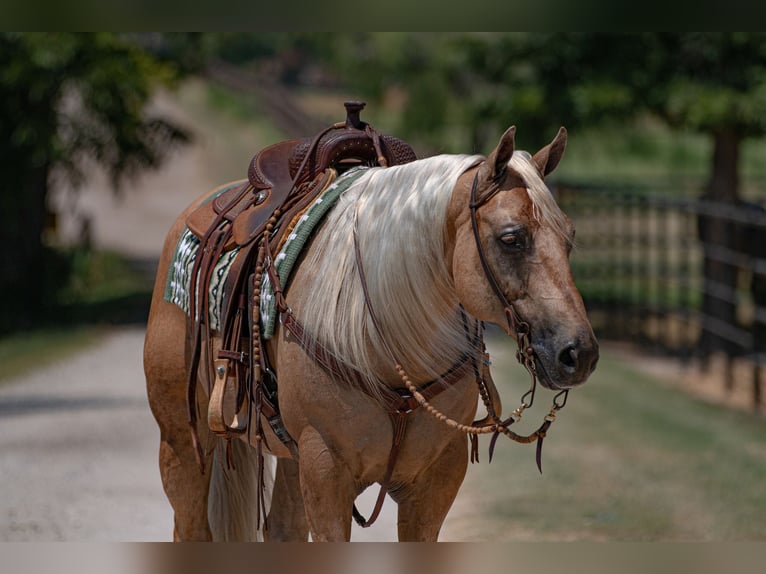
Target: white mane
401,214
401,220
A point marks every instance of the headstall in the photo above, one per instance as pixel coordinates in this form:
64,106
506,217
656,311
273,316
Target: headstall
525,355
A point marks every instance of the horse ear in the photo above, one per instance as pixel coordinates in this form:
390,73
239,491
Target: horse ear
501,155
549,157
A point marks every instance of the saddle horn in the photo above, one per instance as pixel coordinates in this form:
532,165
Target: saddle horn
353,109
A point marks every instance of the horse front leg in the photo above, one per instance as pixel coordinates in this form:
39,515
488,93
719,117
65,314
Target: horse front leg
328,489
424,503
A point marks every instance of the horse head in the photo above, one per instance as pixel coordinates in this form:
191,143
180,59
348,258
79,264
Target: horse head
510,246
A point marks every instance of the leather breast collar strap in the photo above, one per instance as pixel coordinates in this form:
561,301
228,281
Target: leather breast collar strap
400,402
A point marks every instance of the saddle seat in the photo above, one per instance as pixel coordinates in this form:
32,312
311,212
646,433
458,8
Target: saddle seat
282,171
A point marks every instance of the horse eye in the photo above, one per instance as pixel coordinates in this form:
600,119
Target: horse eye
512,240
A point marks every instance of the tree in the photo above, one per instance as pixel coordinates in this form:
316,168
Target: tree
716,84
67,101
713,83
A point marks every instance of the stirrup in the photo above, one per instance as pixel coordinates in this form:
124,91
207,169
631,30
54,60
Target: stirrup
216,419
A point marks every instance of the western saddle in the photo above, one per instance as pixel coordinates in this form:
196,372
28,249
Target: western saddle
253,217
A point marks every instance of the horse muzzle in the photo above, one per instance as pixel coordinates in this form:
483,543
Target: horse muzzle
568,364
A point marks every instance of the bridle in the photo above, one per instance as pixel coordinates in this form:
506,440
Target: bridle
525,355
415,397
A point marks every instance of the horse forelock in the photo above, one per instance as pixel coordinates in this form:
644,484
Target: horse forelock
400,214
544,207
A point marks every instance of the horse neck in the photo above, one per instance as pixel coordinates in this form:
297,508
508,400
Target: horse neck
400,218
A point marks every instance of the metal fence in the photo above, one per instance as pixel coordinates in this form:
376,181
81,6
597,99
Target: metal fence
678,275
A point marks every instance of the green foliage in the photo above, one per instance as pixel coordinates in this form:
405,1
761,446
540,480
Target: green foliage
712,81
97,276
287,57
538,81
642,152
70,98
67,101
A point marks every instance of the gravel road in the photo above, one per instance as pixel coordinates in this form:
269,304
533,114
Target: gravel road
79,453
78,447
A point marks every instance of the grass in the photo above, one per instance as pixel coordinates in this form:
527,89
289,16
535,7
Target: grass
647,153
628,459
24,352
103,290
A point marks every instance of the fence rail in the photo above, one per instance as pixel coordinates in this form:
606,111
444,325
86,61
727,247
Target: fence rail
678,275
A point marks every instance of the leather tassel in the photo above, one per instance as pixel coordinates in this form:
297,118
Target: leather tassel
539,454
358,518
492,444
230,456
474,448
259,477
197,446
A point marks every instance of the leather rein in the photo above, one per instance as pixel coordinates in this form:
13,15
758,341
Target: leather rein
525,355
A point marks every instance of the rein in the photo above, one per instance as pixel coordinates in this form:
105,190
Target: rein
525,355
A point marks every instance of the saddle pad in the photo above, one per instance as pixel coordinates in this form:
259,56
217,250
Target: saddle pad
296,240
178,281
179,277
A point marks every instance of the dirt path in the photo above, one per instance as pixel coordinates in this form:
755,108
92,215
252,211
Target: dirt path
79,451
79,444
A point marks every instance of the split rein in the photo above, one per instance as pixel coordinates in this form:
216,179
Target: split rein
525,355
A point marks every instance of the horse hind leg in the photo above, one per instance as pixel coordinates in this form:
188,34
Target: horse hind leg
165,369
287,517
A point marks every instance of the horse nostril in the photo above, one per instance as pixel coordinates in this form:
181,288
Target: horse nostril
568,357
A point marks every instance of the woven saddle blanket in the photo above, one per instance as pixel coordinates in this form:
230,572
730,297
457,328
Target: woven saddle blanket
179,276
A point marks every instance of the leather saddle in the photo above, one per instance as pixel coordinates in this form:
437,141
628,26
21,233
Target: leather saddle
281,171
282,180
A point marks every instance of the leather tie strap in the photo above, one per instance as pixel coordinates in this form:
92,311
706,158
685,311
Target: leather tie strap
399,421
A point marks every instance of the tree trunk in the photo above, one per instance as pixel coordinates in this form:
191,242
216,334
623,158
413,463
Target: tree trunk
22,261
718,235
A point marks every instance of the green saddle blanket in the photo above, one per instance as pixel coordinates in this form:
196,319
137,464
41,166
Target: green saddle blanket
178,281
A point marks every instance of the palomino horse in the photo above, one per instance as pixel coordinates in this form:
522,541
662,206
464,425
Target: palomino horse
395,286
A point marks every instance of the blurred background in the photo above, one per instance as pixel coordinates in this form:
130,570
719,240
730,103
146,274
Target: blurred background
107,137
